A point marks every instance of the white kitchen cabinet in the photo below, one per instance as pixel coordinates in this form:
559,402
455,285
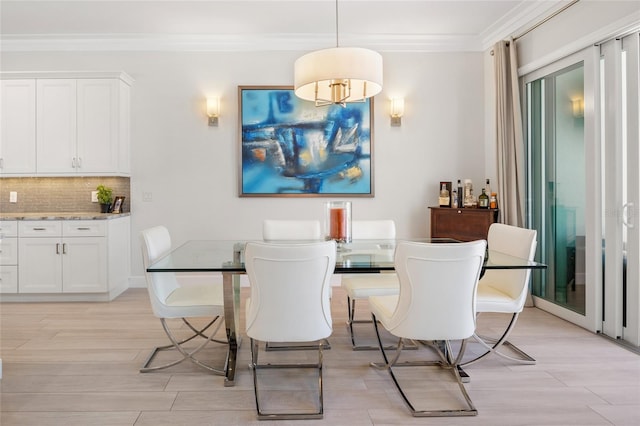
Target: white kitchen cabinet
8,256
62,257
98,121
18,127
78,124
56,126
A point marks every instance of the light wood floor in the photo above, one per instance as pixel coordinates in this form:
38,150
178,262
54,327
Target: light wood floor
77,364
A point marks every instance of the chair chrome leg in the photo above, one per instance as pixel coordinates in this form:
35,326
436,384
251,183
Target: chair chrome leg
270,346
286,416
447,361
185,354
492,345
351,308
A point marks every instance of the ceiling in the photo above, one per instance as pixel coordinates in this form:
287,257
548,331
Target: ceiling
231,25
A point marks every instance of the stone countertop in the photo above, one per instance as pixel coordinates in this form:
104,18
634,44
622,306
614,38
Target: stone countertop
62,216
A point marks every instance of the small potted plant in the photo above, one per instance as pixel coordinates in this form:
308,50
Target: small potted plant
105,198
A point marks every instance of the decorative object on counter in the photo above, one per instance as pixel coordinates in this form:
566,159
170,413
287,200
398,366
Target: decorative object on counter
444,200
338,221
105,198
469,201
460,203
117,205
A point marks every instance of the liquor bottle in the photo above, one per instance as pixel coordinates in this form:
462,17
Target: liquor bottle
483,200
493,201
460,203
487,188
444,199
454,199
468,194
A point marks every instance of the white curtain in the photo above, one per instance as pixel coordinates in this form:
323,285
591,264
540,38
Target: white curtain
509,143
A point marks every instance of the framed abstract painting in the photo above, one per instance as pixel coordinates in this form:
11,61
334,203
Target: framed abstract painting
291,148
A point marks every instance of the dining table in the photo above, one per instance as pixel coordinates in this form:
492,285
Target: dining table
356,257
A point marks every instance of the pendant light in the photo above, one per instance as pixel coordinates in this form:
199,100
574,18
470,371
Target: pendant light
338,75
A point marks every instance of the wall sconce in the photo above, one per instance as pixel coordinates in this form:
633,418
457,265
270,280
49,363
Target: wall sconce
213,110
397,111
577,106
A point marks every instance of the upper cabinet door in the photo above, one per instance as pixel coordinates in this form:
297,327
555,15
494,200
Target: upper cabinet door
18,127
98,125
56,126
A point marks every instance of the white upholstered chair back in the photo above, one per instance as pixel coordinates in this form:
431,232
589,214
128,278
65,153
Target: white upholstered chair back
156,242
437,290
273,230
289,296
373,229
514,241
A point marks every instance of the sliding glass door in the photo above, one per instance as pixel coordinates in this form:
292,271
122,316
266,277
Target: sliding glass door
583,186
561,186
619,78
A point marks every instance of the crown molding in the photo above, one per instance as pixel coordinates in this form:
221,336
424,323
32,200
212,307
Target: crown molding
514,22
235,43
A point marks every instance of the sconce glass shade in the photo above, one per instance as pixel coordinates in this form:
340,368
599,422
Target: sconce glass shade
213,110
578,107
397,107
397,111
338,75
213,107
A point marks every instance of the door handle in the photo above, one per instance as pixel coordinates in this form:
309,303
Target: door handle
627,214
57,248
64,248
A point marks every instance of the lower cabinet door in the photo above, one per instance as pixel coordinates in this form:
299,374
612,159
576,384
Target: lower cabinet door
84,265
8,279
40,266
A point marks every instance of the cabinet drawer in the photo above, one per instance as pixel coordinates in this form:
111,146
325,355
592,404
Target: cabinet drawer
84,228
40,228
461,224
8,279
8,251
8,228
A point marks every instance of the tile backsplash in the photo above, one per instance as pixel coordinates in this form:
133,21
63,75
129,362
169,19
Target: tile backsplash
59,194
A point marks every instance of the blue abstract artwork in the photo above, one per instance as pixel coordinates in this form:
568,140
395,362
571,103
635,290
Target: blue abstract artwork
290,147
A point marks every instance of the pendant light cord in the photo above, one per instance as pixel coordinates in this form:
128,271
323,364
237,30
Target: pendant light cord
337,40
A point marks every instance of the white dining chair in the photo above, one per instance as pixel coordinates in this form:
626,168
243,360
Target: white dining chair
289,302
170,300
291,230
361,286
504,291
282,230
436,303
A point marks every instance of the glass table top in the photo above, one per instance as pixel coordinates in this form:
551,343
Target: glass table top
359,256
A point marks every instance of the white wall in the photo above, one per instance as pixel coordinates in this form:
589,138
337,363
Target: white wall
191,169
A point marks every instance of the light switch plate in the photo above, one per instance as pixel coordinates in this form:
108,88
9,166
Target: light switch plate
94,196
13,197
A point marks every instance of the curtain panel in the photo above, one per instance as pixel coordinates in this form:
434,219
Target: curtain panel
509,134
